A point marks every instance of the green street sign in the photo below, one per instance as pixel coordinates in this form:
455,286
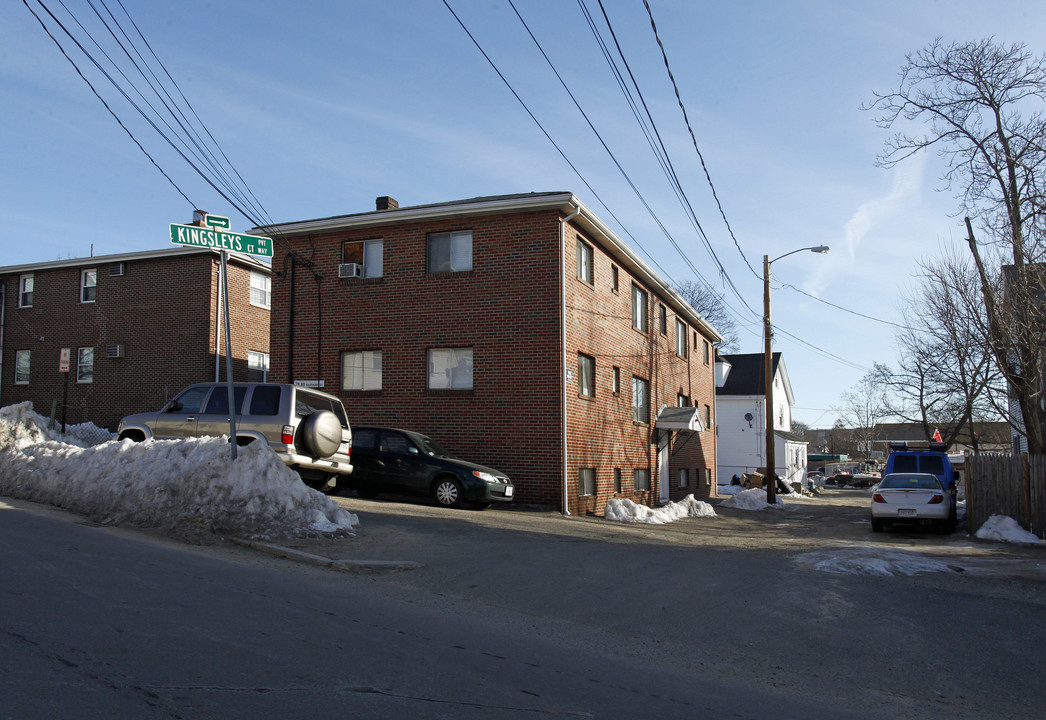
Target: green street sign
219,240
217,221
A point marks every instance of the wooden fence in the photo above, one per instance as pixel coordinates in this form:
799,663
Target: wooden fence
1013,485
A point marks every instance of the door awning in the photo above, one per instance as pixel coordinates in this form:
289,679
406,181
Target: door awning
679,418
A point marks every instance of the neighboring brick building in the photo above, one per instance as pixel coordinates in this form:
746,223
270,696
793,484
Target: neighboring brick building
473,321
139,326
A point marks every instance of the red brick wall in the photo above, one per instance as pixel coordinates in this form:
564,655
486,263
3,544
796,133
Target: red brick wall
161,310
507,308
602,433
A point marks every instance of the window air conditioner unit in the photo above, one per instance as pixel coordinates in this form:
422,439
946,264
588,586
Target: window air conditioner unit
116,269
114,351
350,270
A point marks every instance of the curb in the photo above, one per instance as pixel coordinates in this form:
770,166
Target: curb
359,567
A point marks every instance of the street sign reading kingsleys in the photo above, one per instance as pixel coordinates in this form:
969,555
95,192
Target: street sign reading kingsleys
216,236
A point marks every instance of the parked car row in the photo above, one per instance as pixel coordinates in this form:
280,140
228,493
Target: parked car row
309,431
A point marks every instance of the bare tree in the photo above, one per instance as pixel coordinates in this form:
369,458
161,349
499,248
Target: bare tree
710,304
946,376
981,104
862,408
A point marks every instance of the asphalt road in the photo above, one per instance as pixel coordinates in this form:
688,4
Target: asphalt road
516,613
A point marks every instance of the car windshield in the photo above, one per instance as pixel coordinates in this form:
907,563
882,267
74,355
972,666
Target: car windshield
902,481
432,447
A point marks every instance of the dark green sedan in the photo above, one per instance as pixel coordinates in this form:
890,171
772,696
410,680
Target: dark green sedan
387,460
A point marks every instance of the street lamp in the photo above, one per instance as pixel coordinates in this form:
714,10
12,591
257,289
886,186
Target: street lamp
768,375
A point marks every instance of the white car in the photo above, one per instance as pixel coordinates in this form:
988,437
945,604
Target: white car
912,498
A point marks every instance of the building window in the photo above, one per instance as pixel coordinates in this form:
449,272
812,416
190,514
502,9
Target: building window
640,400
21,367
584,261
641,480
25,291
684,478
706,352
639,310
617,480
88,285
85,365
586,375
261,290
614,278
450,251
662,320
450,369
586,481
708,477
681,347
257,366
682,400
361,370
368,253
708,417
615,383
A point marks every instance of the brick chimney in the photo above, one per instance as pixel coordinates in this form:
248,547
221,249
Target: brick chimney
386,203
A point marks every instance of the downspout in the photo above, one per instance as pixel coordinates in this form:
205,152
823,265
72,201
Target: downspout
563,346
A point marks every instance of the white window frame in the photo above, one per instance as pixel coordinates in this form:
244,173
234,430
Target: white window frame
85,365
615,383
25,292
261,290
681,333
640,400
372,257
585,256
361,370
258,361
449,251
88,285
23,358
586,481
450,368
639,308
586,375
638,473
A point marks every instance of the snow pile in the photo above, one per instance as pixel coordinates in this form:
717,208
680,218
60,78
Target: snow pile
881,562
1006,529
174,485
754,499
624,510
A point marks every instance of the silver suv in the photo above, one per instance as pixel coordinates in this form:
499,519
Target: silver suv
307,428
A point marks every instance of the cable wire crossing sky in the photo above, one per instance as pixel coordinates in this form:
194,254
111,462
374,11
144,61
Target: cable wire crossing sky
706,137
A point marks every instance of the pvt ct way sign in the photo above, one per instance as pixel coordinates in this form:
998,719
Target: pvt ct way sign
215,236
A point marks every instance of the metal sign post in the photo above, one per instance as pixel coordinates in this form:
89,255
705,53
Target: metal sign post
63,367
228,353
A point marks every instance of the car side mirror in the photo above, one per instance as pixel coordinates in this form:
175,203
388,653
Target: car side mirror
413,451
174,407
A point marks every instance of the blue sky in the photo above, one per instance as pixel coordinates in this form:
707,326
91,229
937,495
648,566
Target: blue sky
324,105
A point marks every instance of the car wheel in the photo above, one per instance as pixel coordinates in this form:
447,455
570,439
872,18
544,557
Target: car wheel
877,524
320,433
448,492
133,436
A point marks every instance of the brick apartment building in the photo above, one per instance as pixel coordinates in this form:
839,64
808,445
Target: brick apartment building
139,327
518,331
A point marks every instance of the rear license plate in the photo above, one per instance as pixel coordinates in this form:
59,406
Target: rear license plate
906,512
